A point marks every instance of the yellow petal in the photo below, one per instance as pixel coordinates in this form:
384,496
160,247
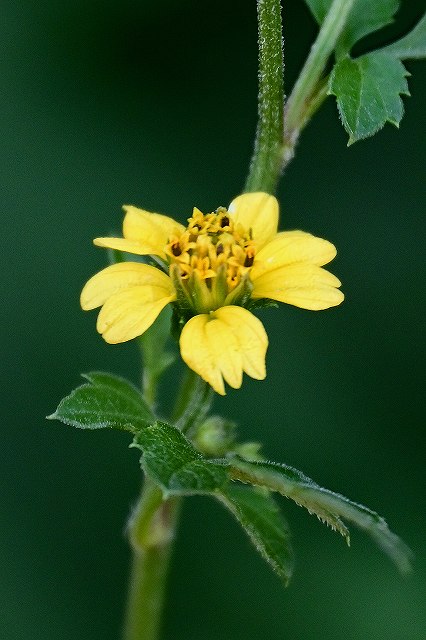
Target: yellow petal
119,277
252,338
129,313
223,344
258,212
196,351
226,351
291,247
150,230
129,246
302,285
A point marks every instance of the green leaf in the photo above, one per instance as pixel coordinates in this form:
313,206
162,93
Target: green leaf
368,92
172,461
328,506
413,45
365,17
106,402
260,517
291,482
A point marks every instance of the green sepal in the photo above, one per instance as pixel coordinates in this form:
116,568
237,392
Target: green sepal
368,91
240,296
107,401
170,459
178,322
261,303
328,506
263,522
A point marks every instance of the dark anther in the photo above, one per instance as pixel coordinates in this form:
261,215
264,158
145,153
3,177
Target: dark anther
176,250
196,227
224,222
248,262
219,249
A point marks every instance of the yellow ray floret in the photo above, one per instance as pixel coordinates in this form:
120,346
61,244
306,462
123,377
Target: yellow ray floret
119,277
132,296
292,247
223,344
302,285
257,212
144,233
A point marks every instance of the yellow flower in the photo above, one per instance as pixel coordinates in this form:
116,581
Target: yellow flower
210,270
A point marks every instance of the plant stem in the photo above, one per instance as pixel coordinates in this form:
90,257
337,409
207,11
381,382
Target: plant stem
152,529
308,93
265,166
193,403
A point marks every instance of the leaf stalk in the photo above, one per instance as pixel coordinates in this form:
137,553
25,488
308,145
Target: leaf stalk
309,92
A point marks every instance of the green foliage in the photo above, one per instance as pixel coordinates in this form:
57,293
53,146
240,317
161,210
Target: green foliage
173,462
290,483
368,91
365,17
107,401
260,517
411,46
328,506
170,459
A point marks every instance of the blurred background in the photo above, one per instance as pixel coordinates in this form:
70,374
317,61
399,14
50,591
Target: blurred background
154,104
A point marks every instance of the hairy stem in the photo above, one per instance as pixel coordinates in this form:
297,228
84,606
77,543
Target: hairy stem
265,166
152,529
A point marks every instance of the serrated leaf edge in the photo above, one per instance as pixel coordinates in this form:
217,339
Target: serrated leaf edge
334,503
250,531
352,136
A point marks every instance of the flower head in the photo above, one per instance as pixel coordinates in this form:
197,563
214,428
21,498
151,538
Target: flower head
211,271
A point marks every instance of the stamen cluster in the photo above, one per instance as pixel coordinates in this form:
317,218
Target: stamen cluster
209,262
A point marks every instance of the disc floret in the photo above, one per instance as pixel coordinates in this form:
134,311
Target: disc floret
209,262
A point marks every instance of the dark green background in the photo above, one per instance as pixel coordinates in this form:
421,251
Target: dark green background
154,103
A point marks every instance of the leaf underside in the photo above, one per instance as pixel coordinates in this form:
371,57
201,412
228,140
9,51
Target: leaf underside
327,505
260,517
